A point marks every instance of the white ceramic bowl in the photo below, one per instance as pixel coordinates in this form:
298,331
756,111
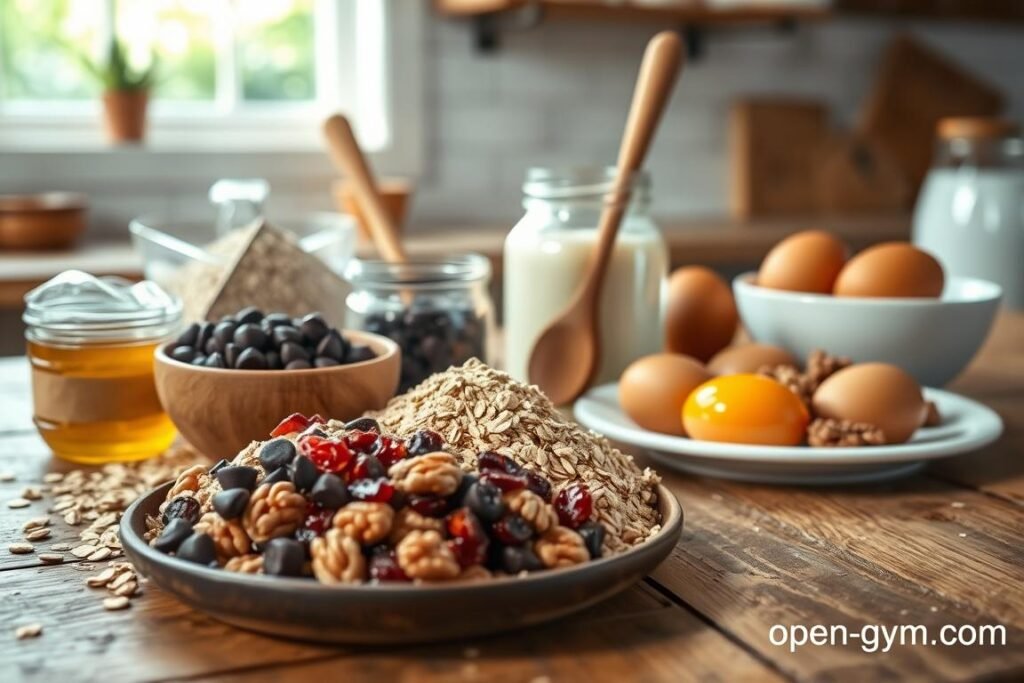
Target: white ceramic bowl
932,339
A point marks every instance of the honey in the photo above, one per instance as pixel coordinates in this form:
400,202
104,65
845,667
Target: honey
91,343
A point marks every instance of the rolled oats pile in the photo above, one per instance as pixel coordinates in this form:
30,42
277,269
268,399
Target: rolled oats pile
477,408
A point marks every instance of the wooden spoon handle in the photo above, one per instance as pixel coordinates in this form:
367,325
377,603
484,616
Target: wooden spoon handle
662,62
348,157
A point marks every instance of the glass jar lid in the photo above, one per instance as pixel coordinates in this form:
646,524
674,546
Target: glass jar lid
76,307
423,273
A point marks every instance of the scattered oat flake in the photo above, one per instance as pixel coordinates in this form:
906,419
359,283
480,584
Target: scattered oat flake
60,547
17,503
101,579
957,504
28,631
20,548
116,603
962,535
100,554
51,558
32,493
83,551
52,477
933,608
37,534
35,523
717,497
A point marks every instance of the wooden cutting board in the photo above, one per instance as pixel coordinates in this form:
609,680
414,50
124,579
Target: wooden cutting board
915,88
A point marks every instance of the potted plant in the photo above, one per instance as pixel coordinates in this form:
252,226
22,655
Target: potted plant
125,93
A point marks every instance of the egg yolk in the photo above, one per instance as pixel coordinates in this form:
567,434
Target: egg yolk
745,409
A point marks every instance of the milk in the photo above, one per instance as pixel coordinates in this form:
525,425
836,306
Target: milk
542,270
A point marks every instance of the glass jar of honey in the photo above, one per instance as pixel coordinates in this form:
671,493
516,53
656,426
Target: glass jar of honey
90,345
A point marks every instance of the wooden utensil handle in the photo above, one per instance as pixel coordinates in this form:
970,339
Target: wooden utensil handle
347,155
662,62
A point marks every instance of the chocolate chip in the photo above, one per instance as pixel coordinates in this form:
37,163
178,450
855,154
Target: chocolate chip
205,330
274,360
176,531
231,504
357,353
224,332
298,365
184,354
182,507
331,346
189,336
213,345
280,474
198,548
515,559
214,360
304,473
276,453
292,351
330,491
593,537
199,360
275,320
251,359
363,424
250,314
250,336
286,333
238,477
313,328
231,351
221,464
325,362
283,557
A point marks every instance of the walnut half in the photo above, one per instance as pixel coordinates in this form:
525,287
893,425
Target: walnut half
423,555
228,536
274,510
366,522
436,474
561,547
532,508
337,558
830,433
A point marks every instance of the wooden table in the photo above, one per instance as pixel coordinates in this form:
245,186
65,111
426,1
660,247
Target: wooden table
942,547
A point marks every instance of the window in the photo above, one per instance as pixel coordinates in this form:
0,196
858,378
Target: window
231,74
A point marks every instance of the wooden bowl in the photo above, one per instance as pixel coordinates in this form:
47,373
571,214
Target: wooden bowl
403,613
219,411
49,220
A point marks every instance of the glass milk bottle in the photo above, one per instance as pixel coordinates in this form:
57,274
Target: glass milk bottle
546,255
970,213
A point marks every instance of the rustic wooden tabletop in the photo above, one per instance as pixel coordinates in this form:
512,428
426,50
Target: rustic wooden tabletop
945,547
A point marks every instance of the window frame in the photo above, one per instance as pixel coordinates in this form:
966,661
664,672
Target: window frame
393,138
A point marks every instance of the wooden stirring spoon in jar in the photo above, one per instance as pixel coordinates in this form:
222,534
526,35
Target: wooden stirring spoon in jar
567,353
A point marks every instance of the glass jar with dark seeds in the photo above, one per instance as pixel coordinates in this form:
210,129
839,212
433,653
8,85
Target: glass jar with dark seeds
439,311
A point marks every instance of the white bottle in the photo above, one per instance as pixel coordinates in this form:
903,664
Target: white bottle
970,213
546,255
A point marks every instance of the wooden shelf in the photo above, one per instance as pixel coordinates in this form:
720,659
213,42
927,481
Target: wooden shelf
683,12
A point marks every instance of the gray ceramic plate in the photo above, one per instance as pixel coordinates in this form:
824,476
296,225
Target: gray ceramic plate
392,613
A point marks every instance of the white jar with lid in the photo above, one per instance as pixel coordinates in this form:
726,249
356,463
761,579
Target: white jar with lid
546,255
970,213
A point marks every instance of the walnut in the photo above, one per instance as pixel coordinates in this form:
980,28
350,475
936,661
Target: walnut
424,555
337,558
532,508
830,433
407,520
274,510
561,547
228,536
189,480
245,564
475,572
821,366
436,474
932,418
368,523
791,378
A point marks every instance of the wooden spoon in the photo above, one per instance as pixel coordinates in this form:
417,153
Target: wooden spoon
348,157
566,355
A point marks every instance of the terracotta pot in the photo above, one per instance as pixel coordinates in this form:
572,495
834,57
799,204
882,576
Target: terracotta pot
125,118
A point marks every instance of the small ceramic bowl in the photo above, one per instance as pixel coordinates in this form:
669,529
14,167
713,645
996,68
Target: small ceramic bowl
49,220
393,612
932,339
219,411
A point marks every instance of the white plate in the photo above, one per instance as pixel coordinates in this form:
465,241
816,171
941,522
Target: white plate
967,426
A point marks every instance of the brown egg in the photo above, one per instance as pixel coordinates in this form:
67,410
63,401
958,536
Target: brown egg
877,393
808,261
701,316
749,358
653,390
893,269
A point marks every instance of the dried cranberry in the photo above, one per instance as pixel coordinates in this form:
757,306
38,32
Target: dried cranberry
366,467
182,507
363,424
503,480
574,505
468,540
315,523
512,530
388,450
428,506
329,455
295,422
538,484
360,442
489,460
424,441
384,567
373,490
